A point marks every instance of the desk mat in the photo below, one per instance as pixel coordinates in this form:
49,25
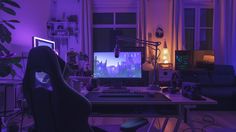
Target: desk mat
98,96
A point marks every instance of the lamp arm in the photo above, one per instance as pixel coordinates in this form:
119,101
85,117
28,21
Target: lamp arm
146,42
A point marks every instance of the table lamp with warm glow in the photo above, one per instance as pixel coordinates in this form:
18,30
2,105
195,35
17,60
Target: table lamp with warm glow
165,53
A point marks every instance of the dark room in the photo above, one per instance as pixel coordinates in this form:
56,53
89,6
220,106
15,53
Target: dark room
117,65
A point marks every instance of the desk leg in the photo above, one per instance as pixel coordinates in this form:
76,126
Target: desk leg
177,125
151,125
180,117
5,101
1,125
189,119
164,124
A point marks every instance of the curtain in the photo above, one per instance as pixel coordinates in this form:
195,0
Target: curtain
224,32
175,37
141,20
85,28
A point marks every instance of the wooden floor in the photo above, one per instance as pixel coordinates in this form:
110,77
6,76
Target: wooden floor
204,121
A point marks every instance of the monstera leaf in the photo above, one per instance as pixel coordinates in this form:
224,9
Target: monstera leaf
6,59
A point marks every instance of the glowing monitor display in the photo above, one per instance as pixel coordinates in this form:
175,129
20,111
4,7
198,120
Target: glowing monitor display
128,65
43,42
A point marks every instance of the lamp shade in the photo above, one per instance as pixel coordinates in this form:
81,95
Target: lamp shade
165,45
165,53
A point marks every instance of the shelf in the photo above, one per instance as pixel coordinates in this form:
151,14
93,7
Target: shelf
62,22
62,29
61,36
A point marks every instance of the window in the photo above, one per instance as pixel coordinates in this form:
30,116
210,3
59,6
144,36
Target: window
198,28
106,26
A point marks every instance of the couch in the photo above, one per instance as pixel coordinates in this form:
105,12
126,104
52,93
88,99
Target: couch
217,82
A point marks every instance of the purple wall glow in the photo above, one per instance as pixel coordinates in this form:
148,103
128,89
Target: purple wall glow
158,15
33,17
64,8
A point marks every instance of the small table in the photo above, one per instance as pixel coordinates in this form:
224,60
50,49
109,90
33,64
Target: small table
5,84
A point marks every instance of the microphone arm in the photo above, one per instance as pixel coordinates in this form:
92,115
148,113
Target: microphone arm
155,85
146,42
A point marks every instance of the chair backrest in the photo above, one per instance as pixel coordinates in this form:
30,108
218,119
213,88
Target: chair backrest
55,106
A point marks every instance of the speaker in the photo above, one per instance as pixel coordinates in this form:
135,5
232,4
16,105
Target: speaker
191,90
165,71
7,98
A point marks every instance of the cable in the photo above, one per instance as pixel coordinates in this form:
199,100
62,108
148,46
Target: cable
206,121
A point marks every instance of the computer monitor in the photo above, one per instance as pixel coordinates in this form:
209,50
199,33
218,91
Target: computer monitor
128,65
43,42
113,71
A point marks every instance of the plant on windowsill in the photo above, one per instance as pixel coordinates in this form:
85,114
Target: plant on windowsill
7,61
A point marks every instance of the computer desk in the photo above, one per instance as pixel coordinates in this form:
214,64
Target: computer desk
178,107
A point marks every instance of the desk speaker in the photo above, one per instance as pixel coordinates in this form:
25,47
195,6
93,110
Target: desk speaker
191,90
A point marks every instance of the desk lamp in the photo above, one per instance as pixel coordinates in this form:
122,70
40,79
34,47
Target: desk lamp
165,53
147,66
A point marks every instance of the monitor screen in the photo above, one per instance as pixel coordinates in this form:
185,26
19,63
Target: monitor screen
128,65
43,42
183,59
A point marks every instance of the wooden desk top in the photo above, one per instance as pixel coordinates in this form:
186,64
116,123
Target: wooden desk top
175,98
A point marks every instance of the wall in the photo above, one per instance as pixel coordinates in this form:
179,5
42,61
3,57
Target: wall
33,17
64,8
158,15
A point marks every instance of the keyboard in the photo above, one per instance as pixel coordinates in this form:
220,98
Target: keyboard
116,91
129,96
111,95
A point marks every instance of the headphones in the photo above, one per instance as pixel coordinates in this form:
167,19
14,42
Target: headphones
159,32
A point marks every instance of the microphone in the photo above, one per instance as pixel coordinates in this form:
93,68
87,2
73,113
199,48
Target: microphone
117,51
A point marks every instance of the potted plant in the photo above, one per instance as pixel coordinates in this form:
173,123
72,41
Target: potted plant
6,57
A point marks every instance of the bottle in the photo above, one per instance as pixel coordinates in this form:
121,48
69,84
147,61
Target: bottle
173,87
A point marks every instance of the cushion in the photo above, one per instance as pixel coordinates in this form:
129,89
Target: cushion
188,76
203,77
222,80
224,69
198,75
219,91
223,75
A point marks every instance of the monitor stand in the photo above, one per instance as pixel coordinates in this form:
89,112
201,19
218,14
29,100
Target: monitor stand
116,87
